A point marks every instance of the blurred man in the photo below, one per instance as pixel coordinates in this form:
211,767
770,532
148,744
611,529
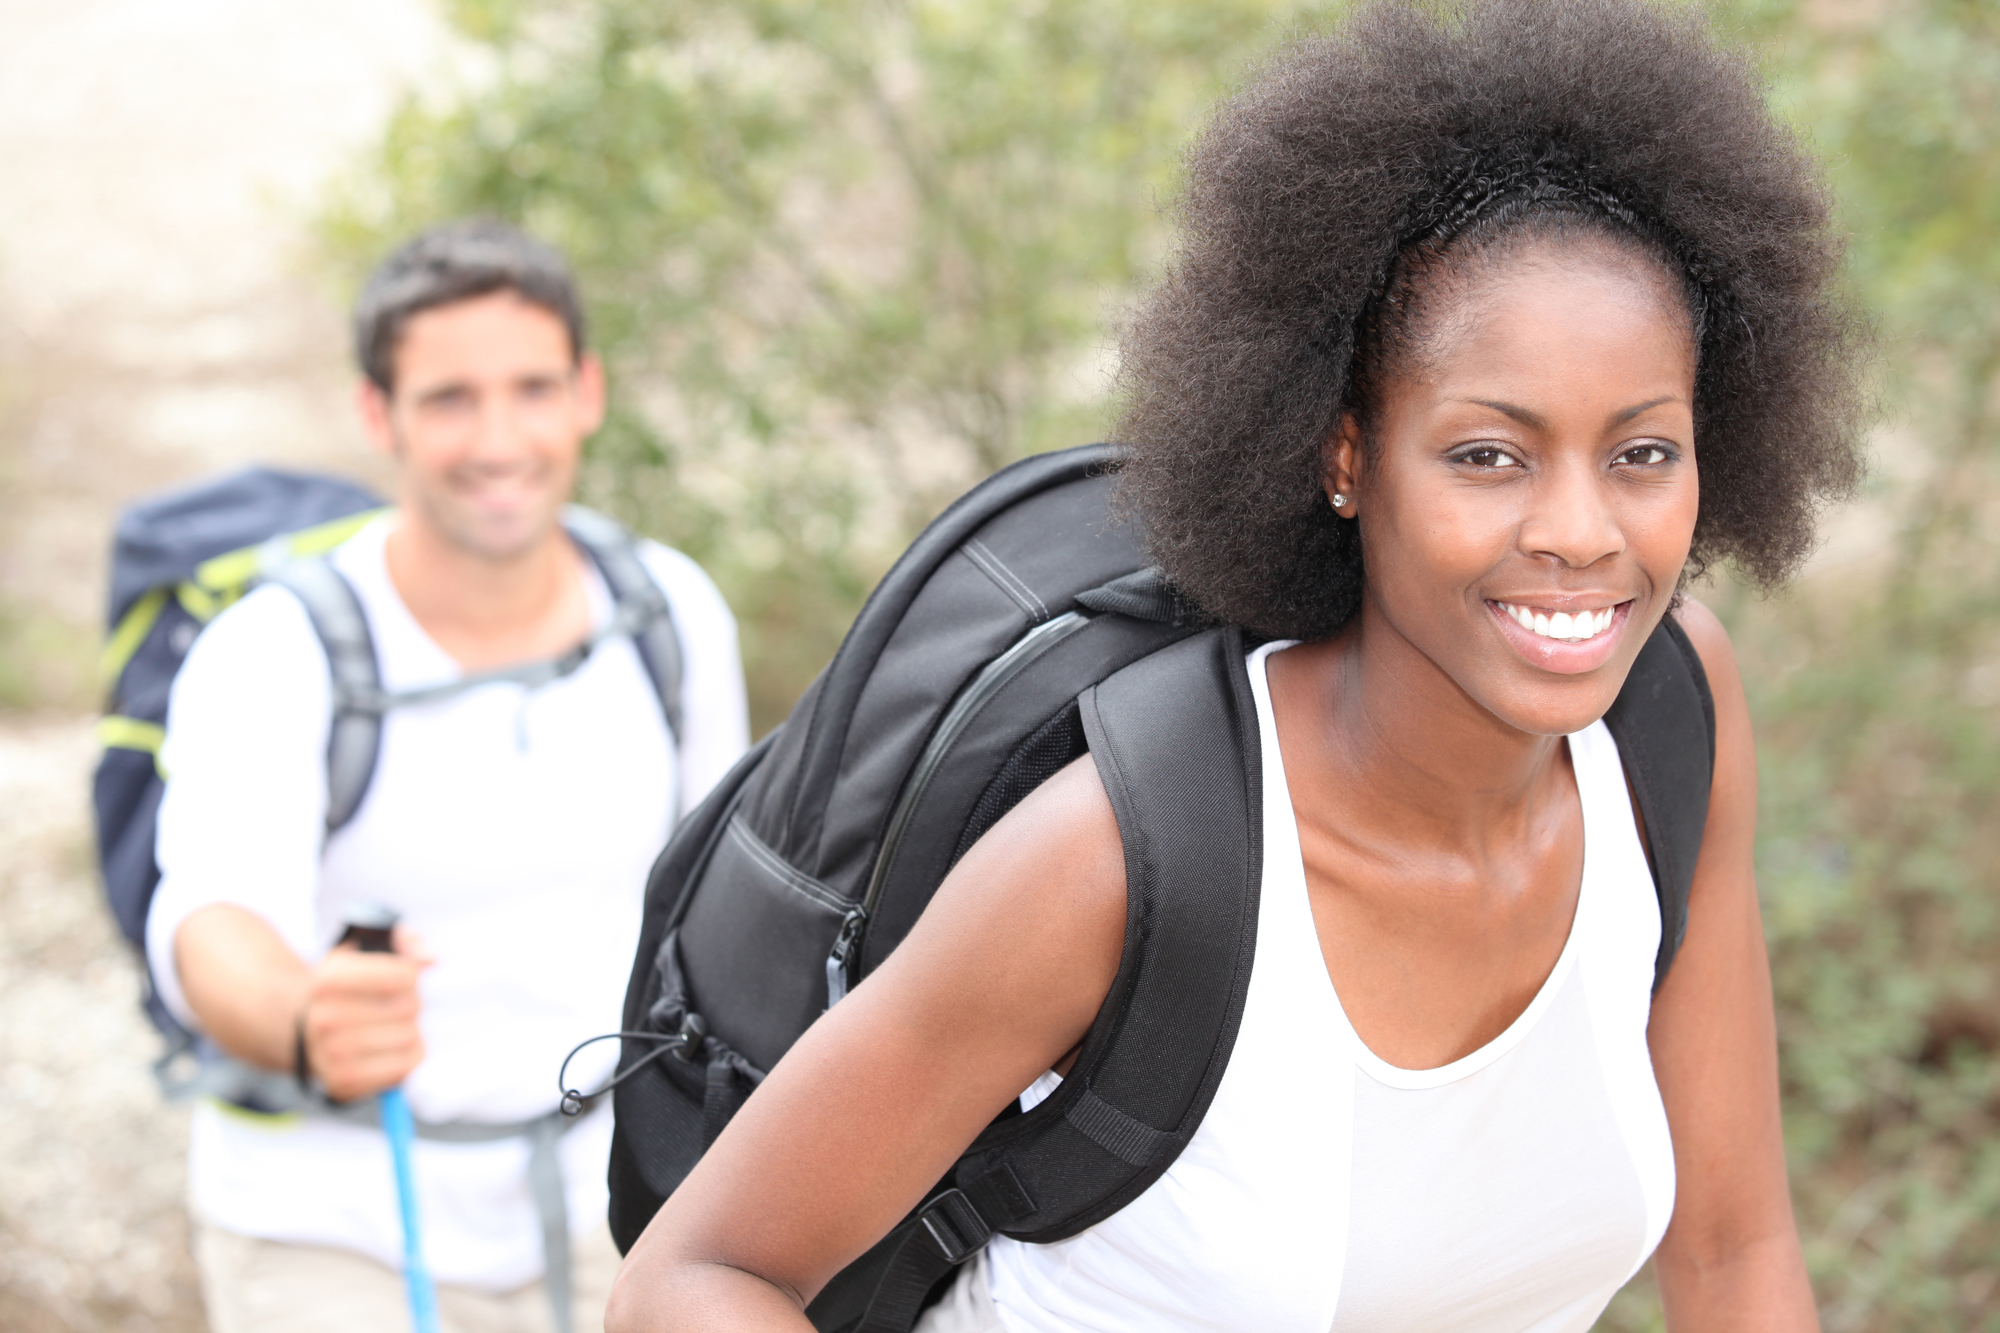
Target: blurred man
509,822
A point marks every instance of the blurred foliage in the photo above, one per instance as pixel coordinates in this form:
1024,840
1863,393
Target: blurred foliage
843,258
1876,685
46,662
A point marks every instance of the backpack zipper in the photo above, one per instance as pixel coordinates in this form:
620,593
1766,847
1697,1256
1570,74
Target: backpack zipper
989,682
843,950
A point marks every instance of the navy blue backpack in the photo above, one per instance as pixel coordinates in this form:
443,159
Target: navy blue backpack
182,558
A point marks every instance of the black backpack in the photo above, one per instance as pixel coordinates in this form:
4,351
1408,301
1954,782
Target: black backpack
1020,630
178,561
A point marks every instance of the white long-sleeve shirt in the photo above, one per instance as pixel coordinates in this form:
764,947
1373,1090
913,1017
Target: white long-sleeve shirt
511,828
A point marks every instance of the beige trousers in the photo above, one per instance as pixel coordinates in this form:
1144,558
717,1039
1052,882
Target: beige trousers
967,1307
264,1286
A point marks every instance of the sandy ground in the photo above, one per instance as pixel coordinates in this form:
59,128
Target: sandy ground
158,157
92,1235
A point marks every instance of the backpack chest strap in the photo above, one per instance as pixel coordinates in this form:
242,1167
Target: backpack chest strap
641,612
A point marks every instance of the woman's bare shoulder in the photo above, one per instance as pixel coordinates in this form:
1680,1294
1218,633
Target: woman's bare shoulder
1735,752
1042,891
1705,631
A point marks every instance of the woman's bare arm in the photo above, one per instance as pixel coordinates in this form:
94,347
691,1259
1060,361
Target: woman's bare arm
1000,978
1731,1257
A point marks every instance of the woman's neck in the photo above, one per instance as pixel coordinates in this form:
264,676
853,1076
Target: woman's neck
1378,732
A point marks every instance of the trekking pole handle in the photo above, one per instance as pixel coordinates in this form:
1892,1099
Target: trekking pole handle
371,929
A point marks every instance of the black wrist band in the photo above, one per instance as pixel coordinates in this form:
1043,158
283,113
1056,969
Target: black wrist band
301,1065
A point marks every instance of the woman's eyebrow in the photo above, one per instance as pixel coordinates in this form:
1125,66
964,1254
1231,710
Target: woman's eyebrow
1534,421
1646,406
1526,417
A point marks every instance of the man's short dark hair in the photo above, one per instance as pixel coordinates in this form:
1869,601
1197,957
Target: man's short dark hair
457,262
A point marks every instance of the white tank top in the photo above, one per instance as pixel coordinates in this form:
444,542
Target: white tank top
1326,1191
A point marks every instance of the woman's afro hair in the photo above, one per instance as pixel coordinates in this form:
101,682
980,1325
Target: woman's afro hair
1384,150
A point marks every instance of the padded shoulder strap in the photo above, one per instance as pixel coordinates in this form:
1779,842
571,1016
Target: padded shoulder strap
1175,741
355,736
1174,737
642,604
1664,723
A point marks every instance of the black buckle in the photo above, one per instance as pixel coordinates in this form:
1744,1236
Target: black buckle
953,1228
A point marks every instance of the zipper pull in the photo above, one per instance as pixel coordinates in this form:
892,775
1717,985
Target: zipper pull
843,949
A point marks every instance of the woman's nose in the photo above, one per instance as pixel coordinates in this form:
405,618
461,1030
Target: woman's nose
1572,518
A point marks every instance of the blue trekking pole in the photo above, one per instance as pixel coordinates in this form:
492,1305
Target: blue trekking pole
368,928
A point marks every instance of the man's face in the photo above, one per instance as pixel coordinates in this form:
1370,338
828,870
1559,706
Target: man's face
486,421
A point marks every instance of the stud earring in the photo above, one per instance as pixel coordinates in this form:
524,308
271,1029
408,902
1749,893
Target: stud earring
1338,500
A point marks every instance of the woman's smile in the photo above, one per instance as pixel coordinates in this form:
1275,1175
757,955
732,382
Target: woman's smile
1572,635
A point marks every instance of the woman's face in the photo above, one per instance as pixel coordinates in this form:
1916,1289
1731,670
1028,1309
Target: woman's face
1531,491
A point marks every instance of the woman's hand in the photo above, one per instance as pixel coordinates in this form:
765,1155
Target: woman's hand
999,980
1730,1258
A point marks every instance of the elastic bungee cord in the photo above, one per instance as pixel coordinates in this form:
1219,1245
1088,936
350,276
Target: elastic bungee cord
574,1102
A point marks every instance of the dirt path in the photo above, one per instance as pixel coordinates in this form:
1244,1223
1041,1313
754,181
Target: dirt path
154,325
92,1234
155,322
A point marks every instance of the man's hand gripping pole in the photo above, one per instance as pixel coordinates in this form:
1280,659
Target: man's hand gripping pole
370,929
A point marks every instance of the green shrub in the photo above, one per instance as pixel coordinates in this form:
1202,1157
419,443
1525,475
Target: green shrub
842,258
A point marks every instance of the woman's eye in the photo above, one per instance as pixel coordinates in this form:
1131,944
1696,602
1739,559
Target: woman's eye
1489,456
1645,455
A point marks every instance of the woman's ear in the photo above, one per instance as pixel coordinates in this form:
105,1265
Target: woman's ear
1340,466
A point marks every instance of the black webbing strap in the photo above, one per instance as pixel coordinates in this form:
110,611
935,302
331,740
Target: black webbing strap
929,1244
1664,723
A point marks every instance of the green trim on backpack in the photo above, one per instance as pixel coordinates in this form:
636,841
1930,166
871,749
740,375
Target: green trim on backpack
131,632
218,584
225,577
131,733
271,1122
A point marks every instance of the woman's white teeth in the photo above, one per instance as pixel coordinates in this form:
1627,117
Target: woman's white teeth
1561,624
